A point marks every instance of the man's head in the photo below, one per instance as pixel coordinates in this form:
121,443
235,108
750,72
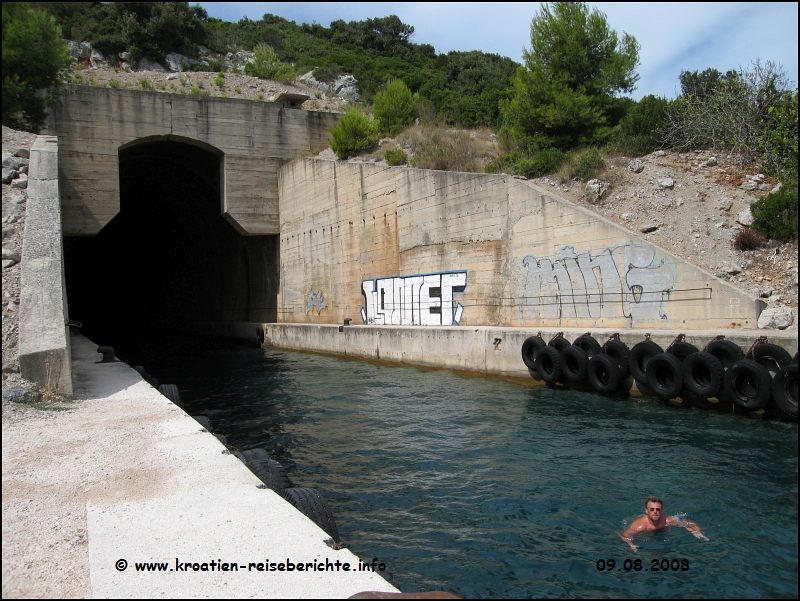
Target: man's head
653,507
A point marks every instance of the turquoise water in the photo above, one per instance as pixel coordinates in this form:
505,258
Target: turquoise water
486,488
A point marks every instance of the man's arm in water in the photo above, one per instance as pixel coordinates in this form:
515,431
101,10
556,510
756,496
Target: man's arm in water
627,536
689,525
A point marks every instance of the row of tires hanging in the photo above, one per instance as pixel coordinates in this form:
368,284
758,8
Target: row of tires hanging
309,501
766,373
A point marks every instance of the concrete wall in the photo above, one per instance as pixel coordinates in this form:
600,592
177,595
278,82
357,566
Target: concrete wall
387,245
44,349
483,349
255,138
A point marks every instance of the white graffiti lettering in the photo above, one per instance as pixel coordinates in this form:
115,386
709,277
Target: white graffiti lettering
619,281
418,300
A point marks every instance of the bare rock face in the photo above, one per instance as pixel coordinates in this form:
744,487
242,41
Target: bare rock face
178,63
636,165
776,319
148,65
745,217
749,186
666,182
595,189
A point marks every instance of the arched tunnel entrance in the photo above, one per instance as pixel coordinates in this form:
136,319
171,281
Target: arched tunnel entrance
169,256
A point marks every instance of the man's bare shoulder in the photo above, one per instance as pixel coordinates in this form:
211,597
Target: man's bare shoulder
638,524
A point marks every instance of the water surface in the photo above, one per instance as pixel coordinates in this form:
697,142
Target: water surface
486,488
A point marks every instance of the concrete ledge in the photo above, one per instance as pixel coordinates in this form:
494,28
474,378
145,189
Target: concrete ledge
173,494
44,350
484,349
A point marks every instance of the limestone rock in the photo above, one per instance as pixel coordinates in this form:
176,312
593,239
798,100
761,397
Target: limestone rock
595,189
725,204
22,153
21,182
8,175
733,269
666,182
749,185
659,153
765,292
97,58
650,227
779,318
764,187
14,162
80,51
178,62
8,232
745,217
776,189
636,165
21,394
711,162
148,65
10,255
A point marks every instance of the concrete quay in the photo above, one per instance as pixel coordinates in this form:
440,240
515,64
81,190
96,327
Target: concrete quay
490,350
159,489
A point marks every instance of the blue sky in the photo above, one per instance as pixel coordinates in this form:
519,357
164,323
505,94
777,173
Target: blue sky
674,36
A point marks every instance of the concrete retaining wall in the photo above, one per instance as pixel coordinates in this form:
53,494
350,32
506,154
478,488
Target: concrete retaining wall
483,349
253,138
363,237
44,349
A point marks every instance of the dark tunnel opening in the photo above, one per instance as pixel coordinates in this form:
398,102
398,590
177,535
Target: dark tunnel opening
168,256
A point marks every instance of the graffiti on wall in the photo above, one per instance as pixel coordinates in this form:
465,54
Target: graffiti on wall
314,301
418,300
619,281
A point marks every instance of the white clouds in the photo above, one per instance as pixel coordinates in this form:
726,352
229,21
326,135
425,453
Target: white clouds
673,36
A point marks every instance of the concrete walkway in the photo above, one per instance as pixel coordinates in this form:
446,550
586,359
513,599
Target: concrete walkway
164,491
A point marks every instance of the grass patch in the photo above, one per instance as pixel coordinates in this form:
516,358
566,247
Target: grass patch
440,148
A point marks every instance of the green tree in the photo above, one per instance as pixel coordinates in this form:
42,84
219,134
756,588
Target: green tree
266,66
34,58
354,132
566,93
394,107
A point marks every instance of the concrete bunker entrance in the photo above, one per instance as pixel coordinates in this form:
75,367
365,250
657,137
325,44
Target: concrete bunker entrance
169,256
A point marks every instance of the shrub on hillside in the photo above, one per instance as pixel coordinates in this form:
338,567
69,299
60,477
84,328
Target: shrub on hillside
445,149
354,132
585,164
265,65
775,215
394,108
749,239
396,156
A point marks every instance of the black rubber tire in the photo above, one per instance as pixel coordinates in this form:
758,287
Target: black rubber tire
559,343
588,345
702,374
271,473
574,363
312,504
221,438
255,455
681,350
784,389
203,421
726,351
604,374
794,359
548,364
171,392
748,384
640,356
619,352
530,347
772,357
239,456
665,376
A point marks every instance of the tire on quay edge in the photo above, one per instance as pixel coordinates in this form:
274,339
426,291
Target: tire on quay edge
772,357
726,351
203,421
784,389
548,364
530,347
604,374
574,363
312,504
171,392
271,473
702,374
665,376
681,350
619,353
559,343
640,356
748,384
588,345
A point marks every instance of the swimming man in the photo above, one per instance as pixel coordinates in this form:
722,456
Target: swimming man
654,519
